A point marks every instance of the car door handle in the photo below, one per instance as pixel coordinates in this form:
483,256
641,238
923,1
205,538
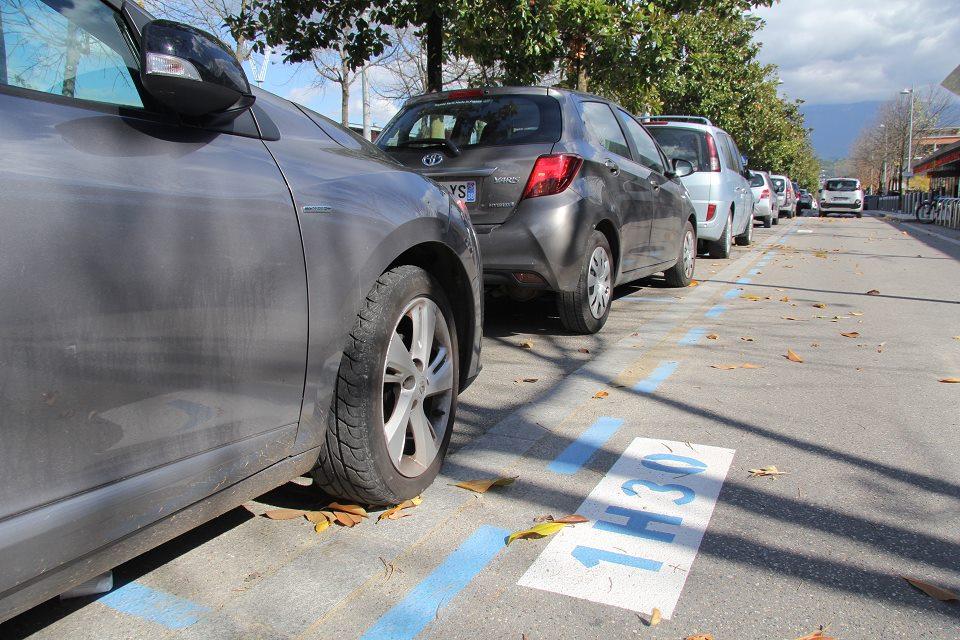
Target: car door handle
612,166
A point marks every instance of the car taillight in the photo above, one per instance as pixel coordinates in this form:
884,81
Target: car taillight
552,174
464,94
712,150
765,194
711,211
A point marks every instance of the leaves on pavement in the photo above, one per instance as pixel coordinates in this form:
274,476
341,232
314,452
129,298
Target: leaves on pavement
573,518
816,635
482,486
856,313
321,526
712,336
746,338
791,318
765,471
730,367
873,292
850,334
538,531
693,283
526,344
819,305
352,509
750,296
655,617
700,636
393,513
284,514
319,516
932,590
599,395
519,380
792,356
950,380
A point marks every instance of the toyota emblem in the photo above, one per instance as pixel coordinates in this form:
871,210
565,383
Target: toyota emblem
432,159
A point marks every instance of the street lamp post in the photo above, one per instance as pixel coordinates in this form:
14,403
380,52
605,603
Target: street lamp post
884,188
909,164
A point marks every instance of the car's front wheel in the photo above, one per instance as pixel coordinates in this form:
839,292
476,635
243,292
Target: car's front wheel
396,393
585,309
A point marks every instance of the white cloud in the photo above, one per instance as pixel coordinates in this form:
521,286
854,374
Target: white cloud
834,52
303,95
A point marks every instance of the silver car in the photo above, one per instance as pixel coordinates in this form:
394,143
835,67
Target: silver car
720,187
766,206
786,198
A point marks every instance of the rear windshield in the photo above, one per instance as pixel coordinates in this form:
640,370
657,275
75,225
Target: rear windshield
683,144
842,185
476,122
778,184
756,180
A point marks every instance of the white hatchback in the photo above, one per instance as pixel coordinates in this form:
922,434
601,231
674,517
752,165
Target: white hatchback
841,195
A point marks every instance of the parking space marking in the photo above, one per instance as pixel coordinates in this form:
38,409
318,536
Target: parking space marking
661,373
733,293
156,606
642,298
754,272
648,516
422,605
743,281
715,310
693,336
580,450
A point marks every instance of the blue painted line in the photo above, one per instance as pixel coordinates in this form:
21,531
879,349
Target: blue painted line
156,606
647,299
661,373
743,281
419,608
693,336
754,272
733,293
762,263
580,450
714,311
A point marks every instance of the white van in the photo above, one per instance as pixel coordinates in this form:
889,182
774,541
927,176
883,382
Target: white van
841,195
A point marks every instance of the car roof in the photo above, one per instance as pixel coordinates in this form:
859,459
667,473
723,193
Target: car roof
509,90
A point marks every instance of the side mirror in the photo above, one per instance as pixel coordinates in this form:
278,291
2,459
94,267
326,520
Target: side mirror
191,72
682,168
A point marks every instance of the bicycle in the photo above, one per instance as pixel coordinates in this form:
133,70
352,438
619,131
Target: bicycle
929,211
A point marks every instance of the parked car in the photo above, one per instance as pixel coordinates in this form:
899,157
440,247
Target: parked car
567,191
841,195
786,200
765,198
720,187
207,291
804,200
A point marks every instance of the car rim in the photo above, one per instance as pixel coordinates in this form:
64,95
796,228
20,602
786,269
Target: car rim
598,282
417,387
689,255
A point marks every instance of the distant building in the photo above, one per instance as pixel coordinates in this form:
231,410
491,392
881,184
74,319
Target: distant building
374,130
942,167
935,140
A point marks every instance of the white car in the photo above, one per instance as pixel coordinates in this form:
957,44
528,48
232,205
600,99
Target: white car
841,195
786,199
765,205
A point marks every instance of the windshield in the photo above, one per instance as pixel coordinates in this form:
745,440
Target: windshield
779,184
480,122
683,144
756,180
842,185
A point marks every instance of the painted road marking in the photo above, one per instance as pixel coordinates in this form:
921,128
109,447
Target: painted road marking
580,450
754,272
648,299
420,607
693,336
714,311
661,373
743,281
156,606
733,293
648,516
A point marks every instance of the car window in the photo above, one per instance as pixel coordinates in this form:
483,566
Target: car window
726,150
842,185
75,49
603,124
476,122
756,180
648,154
683,144
778,184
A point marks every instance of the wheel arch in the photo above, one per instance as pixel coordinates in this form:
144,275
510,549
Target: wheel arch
609,231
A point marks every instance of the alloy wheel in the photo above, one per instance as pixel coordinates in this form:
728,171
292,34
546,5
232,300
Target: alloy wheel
417,387
598,282
689,253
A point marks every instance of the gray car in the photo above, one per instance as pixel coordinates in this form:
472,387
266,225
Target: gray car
567,191
206,291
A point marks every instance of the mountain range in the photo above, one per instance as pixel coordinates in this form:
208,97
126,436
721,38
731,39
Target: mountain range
836,126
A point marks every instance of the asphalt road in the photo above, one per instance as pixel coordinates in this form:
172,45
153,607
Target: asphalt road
866,433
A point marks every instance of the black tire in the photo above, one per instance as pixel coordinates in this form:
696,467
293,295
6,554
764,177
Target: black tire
859,215
576,315
776,219
721,247
823,215
745,239
354,462
681,273
768,222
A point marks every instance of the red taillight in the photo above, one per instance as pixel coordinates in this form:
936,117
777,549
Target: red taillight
714,157
552,174
655,122
462,94
711,211
765,194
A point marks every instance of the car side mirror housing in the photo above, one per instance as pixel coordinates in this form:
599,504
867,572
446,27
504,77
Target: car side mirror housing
682,168
192,72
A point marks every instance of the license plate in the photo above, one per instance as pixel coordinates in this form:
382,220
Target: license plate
466,190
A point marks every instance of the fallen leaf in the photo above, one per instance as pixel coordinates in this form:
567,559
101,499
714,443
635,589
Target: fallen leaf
394,512
655,617
746,338
537,531
284,514
792,356
583,350
821,254
819,305
321,526
850,334
352,509
599,395
785,299
873,292
700,636
724,367
319,516
765,471
932,590
346,519
750,296
482,486
518,380
748,365
856,313
814,344
956,337
573,518
950,380
693,283
526,344
713,336
816,635
791,318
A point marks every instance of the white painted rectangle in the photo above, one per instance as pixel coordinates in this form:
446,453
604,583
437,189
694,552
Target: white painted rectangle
647,518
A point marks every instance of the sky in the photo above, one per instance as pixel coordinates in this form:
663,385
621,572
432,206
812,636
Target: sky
830,52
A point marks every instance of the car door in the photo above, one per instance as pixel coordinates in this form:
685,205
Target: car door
666,228
630,186
733,176
153,319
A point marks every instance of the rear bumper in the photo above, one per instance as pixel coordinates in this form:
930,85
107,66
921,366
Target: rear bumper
711,229
544,236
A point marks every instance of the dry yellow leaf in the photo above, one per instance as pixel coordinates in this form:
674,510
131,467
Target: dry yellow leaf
482,486
724,367
750,296
655,617
694,283
600,395
319,516
765,471
932,590
284,514
749,365
792,356
850,334
785,299
816,635
537,531
394,512
713,336
518,380
353,509
956,337
573,518
346,519
950,380
526,344
321,526
700,636
819,305
856,313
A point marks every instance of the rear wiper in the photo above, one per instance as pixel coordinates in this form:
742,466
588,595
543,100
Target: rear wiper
432,142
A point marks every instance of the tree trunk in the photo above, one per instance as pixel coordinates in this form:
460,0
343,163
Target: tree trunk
71,61
3,54
344,93
434,52
365,92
